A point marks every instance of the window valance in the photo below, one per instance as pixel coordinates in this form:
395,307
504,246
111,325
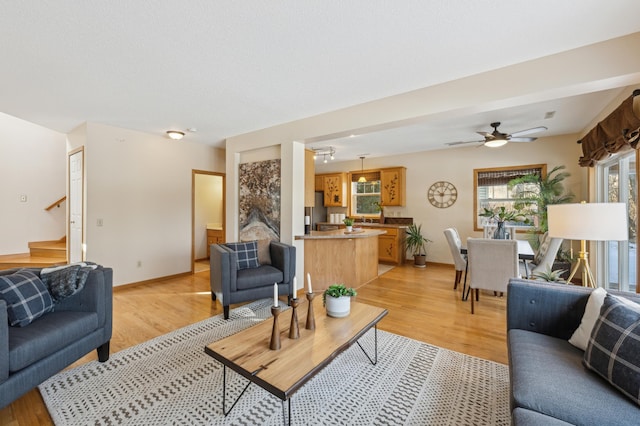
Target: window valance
619,131
502,177
370,176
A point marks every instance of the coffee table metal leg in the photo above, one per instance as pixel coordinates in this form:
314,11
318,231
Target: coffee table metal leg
224,392
284,415
373,361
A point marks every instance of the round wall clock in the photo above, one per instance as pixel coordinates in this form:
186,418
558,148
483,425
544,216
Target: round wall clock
442,194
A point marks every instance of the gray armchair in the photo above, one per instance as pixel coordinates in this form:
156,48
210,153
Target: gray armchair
79,324
233,285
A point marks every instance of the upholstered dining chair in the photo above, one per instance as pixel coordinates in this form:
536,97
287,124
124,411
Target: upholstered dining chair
491,264
459,260
489,229
546,254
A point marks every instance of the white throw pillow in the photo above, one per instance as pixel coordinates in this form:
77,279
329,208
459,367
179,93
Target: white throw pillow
580,337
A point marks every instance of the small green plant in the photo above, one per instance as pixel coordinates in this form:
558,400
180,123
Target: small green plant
348,221
337,290
550,276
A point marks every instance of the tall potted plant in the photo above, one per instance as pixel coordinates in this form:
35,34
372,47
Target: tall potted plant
416,244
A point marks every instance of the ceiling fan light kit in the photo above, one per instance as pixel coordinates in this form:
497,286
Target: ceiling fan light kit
175,134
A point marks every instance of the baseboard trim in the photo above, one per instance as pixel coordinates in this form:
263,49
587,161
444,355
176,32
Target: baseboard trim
150,281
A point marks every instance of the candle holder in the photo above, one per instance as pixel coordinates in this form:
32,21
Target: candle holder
274,345
294,330
311,318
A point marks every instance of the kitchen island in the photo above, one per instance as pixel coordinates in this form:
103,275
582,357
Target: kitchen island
338,257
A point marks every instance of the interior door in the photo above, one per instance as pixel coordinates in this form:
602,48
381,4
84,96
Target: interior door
76,217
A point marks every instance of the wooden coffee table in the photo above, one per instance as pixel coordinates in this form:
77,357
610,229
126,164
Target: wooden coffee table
282,372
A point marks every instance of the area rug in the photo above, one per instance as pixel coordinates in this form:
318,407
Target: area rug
171,381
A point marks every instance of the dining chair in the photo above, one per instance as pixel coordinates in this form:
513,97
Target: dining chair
489,229
491,264
546,255
459,260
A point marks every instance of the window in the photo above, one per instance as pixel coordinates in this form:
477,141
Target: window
365,196
616,260
492,190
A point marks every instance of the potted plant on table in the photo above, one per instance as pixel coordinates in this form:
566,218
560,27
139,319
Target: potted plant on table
501,215
348,223
337,299
416,244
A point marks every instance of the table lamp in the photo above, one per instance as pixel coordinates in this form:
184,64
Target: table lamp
587,221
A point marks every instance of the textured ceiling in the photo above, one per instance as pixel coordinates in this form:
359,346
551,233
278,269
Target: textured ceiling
231,67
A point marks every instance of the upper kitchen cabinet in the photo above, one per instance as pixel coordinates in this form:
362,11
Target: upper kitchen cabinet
393,186
335,189
309,178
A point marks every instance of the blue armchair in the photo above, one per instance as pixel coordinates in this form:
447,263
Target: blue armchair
80,323
234,285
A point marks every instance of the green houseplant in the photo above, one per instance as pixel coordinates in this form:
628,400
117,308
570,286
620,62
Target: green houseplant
416,244
533,195
348,222
337,299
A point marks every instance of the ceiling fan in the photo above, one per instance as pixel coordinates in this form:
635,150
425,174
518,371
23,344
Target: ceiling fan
495,139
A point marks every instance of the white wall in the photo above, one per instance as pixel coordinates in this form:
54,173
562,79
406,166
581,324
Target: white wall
32,163
139,184
456,166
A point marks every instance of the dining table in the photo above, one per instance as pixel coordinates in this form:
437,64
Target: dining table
525,253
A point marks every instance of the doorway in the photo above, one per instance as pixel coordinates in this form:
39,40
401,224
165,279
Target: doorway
207,215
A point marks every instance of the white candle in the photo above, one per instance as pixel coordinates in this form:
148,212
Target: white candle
309,282
295,287
275,294
307,220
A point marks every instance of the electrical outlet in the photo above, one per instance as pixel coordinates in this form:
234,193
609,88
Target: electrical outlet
100,222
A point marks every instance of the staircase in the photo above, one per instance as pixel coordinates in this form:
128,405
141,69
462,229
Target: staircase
41,254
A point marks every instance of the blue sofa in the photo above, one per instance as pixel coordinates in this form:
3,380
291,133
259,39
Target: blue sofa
549,384
78,324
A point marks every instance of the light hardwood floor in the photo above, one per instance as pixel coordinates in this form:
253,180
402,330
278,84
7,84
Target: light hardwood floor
421,302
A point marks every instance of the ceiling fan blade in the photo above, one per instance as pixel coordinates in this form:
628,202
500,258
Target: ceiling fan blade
522,139
462,143
528,131
485,134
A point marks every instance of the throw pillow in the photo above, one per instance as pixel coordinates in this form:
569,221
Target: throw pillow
264,252
67,280
580,337
26,296
613,348
247,254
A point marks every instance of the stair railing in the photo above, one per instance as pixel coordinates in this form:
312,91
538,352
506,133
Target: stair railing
56,203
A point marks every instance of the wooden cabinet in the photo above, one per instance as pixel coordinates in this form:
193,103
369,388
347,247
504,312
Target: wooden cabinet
335,189
319,186
309,179
214,236
393,186
391,246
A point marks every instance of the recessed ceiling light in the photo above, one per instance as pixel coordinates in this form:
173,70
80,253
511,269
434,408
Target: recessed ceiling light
175,134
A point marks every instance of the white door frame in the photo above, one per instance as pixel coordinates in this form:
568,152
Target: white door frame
75,212
195,172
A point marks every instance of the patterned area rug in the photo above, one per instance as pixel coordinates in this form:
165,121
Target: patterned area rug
170,380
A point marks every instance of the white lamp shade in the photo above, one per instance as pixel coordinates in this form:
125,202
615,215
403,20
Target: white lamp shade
588,221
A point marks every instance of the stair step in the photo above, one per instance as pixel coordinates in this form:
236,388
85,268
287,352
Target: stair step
25,260
50,249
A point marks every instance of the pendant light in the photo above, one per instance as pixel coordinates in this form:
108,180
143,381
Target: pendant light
362,179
